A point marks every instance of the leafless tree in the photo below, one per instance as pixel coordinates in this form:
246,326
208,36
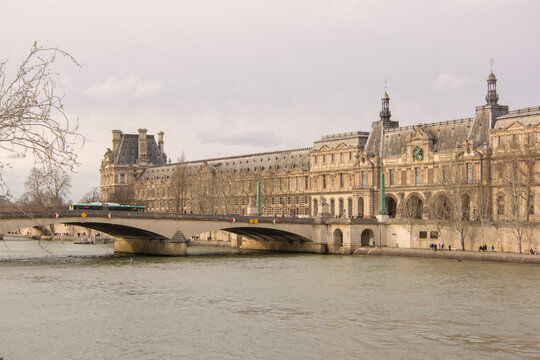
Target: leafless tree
203,190
412,211
46,189
91,196
518,175
224,189
57,187
440,213
457,190
180,185
32,116
34,196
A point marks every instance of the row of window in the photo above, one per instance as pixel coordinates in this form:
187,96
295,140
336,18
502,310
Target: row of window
514,139
445,175
332,157
515,205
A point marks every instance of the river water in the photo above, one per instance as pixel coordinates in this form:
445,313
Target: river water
261,306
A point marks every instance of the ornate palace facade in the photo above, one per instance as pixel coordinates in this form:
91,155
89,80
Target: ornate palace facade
483,166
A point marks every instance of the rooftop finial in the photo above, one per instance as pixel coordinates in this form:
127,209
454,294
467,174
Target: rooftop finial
385,109
492,97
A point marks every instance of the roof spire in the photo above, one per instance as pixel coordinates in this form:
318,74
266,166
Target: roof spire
492,97
385,109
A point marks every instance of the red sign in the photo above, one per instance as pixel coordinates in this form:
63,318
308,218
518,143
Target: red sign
56,216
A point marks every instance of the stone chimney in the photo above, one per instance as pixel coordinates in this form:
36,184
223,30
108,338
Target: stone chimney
160,145
116,139
143,145
160,141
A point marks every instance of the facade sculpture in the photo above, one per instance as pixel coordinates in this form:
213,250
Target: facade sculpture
480,168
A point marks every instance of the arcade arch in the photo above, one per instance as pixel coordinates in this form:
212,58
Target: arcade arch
440,207
391,206
414,207
361,207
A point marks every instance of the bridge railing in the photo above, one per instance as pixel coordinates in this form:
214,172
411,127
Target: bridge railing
92,214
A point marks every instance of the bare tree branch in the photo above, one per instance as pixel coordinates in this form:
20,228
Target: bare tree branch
32,116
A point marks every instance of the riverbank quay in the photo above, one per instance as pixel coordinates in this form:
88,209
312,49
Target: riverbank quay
454,255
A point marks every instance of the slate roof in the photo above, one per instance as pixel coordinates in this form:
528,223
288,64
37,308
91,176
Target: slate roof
526,116
285,160
129,149
446,136
354,138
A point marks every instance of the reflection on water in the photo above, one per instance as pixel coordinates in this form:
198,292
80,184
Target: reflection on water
263,307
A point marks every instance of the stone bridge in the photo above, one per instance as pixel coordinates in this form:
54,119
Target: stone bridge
169,234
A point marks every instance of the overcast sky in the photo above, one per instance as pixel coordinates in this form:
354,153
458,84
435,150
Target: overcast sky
231,77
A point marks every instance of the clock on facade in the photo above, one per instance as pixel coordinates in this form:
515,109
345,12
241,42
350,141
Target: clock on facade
418,154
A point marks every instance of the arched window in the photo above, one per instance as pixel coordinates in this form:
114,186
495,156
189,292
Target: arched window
361,207
500,205
466,206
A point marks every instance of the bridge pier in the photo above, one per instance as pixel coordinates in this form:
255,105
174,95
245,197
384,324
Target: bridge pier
140,245
283,245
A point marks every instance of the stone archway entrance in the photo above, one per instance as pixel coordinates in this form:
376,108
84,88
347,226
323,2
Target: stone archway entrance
338,239
367,238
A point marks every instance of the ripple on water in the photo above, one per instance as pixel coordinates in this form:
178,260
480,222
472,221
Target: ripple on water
267,307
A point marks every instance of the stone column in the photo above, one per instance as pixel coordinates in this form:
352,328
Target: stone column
143,144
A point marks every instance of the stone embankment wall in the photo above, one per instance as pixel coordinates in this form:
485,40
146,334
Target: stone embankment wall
500,235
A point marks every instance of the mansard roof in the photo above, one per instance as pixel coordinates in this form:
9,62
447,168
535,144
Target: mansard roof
285,161
128,151
526,117
353,138
446,136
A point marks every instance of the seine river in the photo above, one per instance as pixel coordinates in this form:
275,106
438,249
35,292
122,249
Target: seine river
261,306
